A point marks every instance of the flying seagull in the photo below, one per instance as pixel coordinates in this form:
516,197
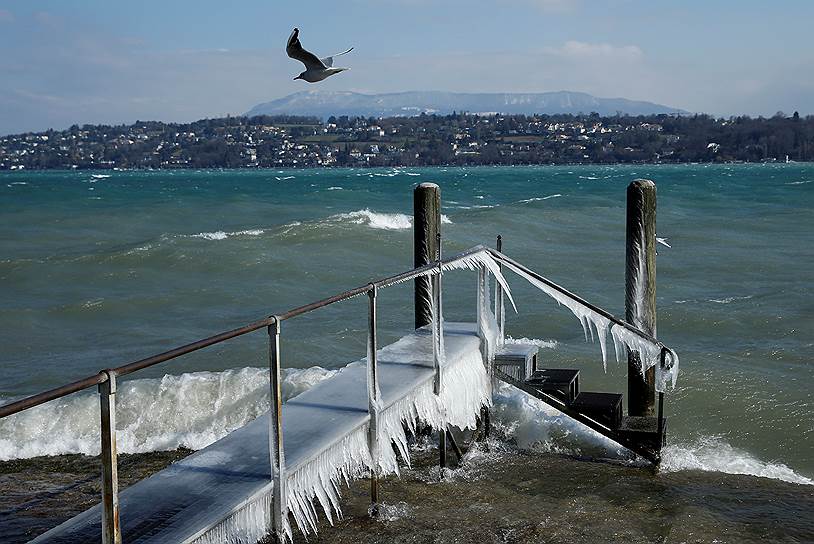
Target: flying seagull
316,69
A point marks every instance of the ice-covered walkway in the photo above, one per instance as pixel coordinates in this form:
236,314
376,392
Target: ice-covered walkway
222,493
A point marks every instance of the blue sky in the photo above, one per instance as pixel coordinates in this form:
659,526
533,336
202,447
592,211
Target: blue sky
109,61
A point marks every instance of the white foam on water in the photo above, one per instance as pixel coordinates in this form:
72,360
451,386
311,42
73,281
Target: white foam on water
336,188
379,220
392,512
222,235
729,300
191,410
533,425
375,220
538,199
715,455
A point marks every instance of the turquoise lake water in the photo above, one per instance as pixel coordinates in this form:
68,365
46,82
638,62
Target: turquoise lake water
98,269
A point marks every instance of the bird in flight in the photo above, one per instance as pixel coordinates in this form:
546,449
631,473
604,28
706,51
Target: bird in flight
316,69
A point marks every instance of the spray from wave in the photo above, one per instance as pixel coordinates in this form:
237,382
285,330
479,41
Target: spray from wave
191,410
533,425
194,410
714,455
378,220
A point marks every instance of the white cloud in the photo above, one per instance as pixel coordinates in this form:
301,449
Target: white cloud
583,50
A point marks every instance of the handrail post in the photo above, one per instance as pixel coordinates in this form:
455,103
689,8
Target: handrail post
279,508
111,530
500,315
483,307
373,402
438,348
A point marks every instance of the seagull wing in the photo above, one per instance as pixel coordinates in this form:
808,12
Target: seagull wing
329,61
295,50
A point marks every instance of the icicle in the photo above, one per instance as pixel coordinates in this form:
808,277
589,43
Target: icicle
601,323
622,337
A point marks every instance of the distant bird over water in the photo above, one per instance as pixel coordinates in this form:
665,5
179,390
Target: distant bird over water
316,69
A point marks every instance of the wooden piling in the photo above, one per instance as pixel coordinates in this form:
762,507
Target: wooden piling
426,228
640,289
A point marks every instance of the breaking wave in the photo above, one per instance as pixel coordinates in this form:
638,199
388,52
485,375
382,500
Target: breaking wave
191,410
534,425
714,455
377,220
221,235
198,408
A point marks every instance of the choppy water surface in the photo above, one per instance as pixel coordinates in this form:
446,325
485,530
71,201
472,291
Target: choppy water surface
100,269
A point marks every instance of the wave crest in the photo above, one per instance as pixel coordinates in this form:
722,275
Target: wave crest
379,220
191,410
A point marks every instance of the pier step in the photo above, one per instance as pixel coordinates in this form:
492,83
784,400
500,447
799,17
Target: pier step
606,408
559,382
644,431
519,365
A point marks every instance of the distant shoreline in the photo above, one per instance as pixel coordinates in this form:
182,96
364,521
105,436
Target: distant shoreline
400,166
422,141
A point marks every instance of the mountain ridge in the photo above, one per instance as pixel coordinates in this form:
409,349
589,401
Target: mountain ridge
409,103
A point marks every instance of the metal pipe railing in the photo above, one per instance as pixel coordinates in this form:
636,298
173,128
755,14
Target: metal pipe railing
576,298
106,380
91,381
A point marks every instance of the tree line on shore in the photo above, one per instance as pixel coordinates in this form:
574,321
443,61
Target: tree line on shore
424,140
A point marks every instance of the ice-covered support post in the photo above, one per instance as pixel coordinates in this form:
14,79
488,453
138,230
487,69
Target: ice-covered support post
500,314
640,289
482,307
111,530
438,348
279,509
426,229
373,402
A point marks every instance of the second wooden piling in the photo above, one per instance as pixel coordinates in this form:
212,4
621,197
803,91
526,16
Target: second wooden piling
426,228
640,289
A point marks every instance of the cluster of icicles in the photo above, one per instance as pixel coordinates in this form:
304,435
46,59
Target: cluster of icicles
465,388
625,340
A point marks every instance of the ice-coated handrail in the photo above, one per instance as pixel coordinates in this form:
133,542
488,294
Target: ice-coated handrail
101,377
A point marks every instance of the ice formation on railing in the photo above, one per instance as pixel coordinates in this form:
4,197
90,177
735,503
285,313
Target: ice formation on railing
598,326
465,388
318,480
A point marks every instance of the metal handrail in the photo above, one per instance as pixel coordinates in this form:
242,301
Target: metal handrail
102,376
576,298
106,379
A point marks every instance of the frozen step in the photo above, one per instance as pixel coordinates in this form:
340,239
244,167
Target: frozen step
517,360
561,383
605,408
644,431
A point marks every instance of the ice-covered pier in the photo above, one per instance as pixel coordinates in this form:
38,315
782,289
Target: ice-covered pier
287,465
224,492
